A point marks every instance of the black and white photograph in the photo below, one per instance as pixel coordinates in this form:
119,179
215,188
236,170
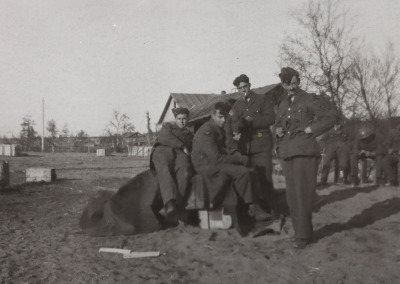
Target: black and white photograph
200,141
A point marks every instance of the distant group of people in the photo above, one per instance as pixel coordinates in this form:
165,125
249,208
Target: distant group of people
238,142
347,152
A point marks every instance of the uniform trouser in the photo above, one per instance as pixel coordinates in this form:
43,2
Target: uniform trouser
264,187
173,172
339,153
240,176
301,181
390,168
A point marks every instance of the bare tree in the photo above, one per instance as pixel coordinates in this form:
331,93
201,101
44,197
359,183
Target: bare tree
118,127
65,131
149,131
27,134
388,76
375,82
321,49
52,129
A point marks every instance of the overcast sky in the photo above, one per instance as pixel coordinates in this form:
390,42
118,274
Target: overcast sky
88,57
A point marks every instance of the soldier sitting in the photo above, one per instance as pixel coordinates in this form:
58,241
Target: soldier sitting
170,159
210,157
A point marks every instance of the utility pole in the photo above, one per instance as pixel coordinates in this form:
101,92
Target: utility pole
43,125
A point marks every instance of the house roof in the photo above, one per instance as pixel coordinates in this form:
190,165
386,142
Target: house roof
205,109
185,100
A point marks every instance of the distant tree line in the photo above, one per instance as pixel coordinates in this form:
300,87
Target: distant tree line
117,135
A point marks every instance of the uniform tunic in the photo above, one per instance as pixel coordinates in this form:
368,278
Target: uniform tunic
300,153
171,164
256,139
209,156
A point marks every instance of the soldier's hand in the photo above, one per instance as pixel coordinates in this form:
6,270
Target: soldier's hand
249,118
186,151
236,136
308,130
279,131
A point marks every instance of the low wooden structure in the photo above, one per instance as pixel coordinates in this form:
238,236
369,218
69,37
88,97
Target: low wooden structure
40,174
102,152
10,150
139,151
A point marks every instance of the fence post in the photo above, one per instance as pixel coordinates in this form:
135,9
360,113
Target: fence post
4,175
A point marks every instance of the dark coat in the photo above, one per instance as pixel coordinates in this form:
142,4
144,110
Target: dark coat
209,147
255,136
306,110
173,137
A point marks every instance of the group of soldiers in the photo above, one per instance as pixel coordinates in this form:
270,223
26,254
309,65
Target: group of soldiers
369,144
238,141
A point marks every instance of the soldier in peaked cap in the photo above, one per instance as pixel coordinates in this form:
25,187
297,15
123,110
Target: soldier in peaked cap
252,115
170,159
301,117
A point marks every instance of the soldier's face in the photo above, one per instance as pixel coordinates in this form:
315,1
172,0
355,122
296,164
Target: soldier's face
219,118
292,87
181,120
244,88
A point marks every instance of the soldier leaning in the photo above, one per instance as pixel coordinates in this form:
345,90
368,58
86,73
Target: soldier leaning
210,156
336,148
170,159
252,115
368,144
301,117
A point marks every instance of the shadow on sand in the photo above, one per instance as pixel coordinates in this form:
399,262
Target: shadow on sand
340,195
369,216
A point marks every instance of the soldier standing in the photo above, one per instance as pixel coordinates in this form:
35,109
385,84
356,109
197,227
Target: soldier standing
171,160
252,115
301,117
336,148
369,144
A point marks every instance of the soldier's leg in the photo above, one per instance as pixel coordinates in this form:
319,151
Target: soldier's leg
264,191
163,160
354,168
379,173
344,162
301,180
183,174
390,166
326,165
241,180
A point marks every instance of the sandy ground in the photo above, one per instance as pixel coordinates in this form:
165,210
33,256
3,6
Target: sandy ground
357,235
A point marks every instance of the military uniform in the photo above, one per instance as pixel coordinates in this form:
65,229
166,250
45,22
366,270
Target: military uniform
171,163
300,152
336,148
256,139
209,156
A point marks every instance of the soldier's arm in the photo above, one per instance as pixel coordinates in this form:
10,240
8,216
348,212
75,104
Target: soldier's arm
266,117
167,138
210,148
326,117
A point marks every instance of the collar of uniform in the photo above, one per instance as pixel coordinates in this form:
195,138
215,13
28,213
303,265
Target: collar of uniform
250,96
